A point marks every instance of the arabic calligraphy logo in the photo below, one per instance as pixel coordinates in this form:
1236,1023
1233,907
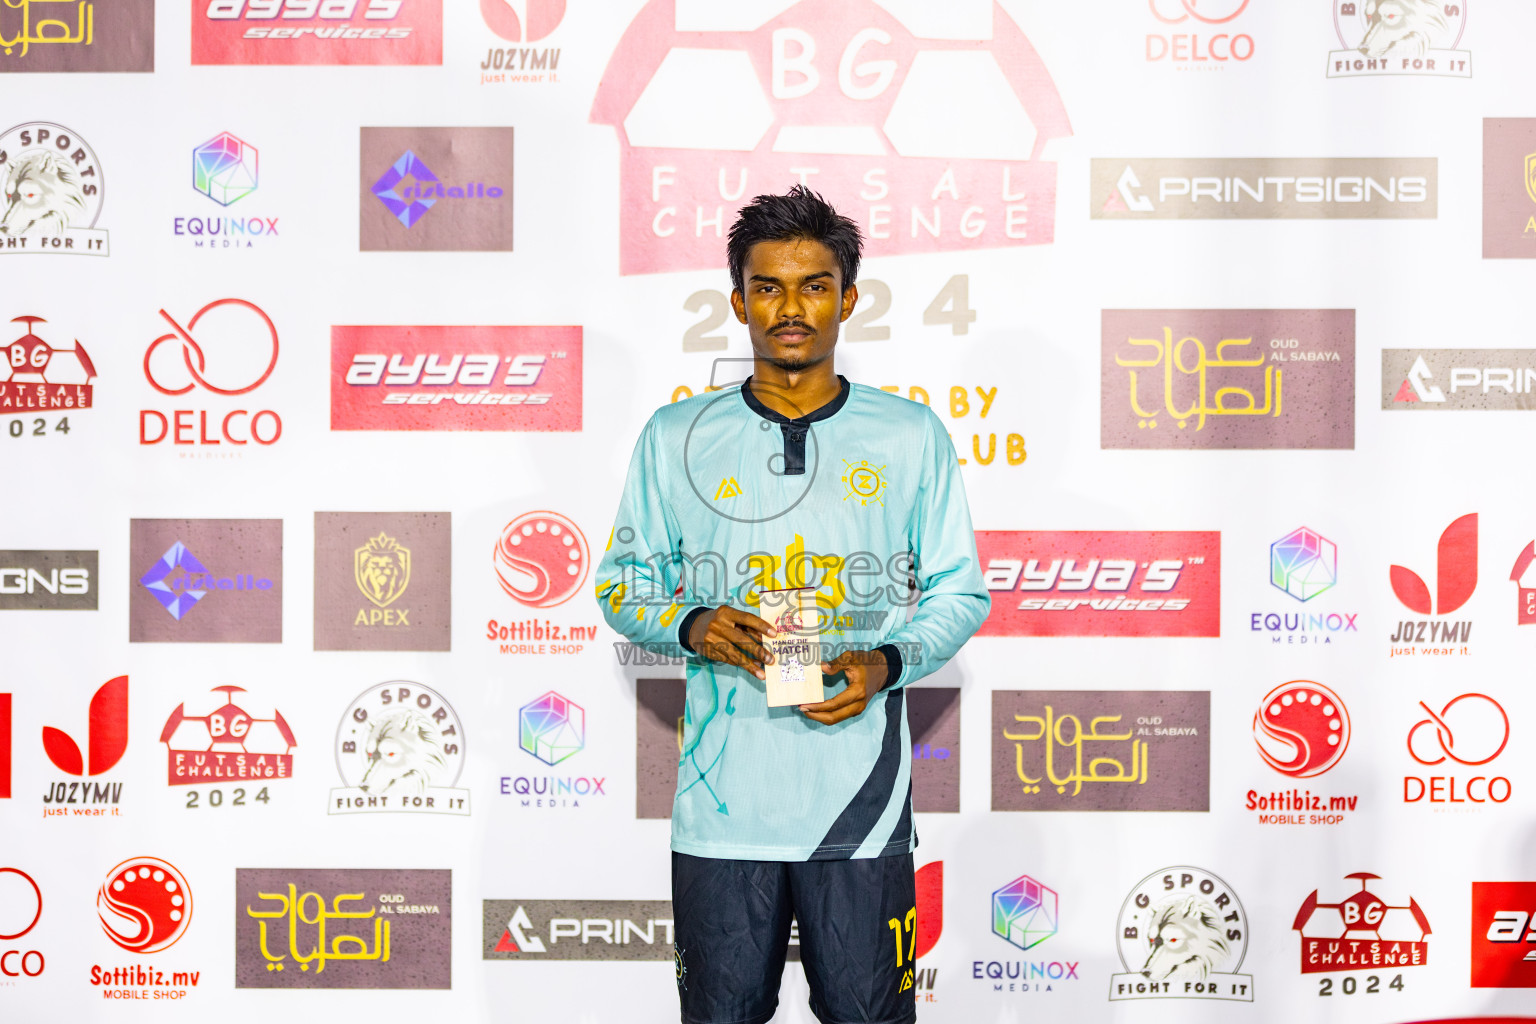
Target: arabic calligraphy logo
382,568
541,559
1188,11
224,168
144,905
192,353
865,483
292,906
552,728
1301,728
1171,355
1482,726
542,16
17,904
40,31
1455,572
408,167
177,601
1304,564
1051,732
1024,912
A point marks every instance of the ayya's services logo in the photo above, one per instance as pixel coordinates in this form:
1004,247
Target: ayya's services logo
317,32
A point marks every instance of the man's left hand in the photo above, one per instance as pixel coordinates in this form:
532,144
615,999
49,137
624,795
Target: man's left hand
866,672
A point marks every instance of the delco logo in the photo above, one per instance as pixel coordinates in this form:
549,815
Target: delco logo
317,32
1101,584
840,97
455,378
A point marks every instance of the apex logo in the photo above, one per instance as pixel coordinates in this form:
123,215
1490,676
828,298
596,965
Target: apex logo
728,488
106,740
1455,572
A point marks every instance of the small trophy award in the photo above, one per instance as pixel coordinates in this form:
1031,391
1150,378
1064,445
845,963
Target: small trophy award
794,676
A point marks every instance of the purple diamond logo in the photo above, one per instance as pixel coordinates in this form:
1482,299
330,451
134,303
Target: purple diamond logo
177,557
412,205
552,728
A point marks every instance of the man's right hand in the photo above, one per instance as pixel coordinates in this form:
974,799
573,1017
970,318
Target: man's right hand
732,636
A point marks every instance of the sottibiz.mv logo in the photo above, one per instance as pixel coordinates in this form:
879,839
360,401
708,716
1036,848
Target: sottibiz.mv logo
713,108
456,378
1081,583
1455,580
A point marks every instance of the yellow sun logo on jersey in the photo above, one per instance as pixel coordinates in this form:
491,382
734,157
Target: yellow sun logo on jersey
865,483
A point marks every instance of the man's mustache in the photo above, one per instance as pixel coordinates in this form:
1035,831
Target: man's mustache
794,325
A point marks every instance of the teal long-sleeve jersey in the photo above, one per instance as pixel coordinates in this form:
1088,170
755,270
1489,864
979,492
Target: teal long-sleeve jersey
862,499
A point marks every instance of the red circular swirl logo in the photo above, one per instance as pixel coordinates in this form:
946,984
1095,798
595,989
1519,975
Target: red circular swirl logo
1302,729
21,903
192,351
542,559
144,905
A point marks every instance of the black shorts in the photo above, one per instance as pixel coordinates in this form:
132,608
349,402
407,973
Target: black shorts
858,931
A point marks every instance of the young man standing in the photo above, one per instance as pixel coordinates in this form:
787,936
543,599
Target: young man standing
794,478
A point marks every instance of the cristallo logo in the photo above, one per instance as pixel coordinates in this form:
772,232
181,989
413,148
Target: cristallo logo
436,189
714,106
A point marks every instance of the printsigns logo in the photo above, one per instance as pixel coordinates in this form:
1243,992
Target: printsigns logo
1470,730
206,580
1399,37
226,745
351,928
53,191
436,189
303,32
48,580
1083,583
542,559
608,930
145,905
1283,188
1500,379
456,378
1228,378
400,747
1199,36
1182,933
1142,750
383,581
245,346
36,377
705,118
77,35
21,907
1361,932
1509,187
1503,935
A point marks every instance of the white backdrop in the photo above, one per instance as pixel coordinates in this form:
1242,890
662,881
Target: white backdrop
1036,339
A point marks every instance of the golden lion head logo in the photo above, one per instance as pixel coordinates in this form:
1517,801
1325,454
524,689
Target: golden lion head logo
383,569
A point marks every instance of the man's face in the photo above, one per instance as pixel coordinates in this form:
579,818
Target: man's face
793,302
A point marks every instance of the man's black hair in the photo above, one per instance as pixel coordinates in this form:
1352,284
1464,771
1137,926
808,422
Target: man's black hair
799,213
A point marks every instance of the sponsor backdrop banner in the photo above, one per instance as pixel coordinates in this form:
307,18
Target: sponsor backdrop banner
330,327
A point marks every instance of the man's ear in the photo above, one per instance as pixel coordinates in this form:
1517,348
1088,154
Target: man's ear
739,305
850,300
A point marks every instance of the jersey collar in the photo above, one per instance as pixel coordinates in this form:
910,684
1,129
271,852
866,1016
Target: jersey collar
814,416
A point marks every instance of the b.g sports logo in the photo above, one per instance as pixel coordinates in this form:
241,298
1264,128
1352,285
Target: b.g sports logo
1086,583
456,378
